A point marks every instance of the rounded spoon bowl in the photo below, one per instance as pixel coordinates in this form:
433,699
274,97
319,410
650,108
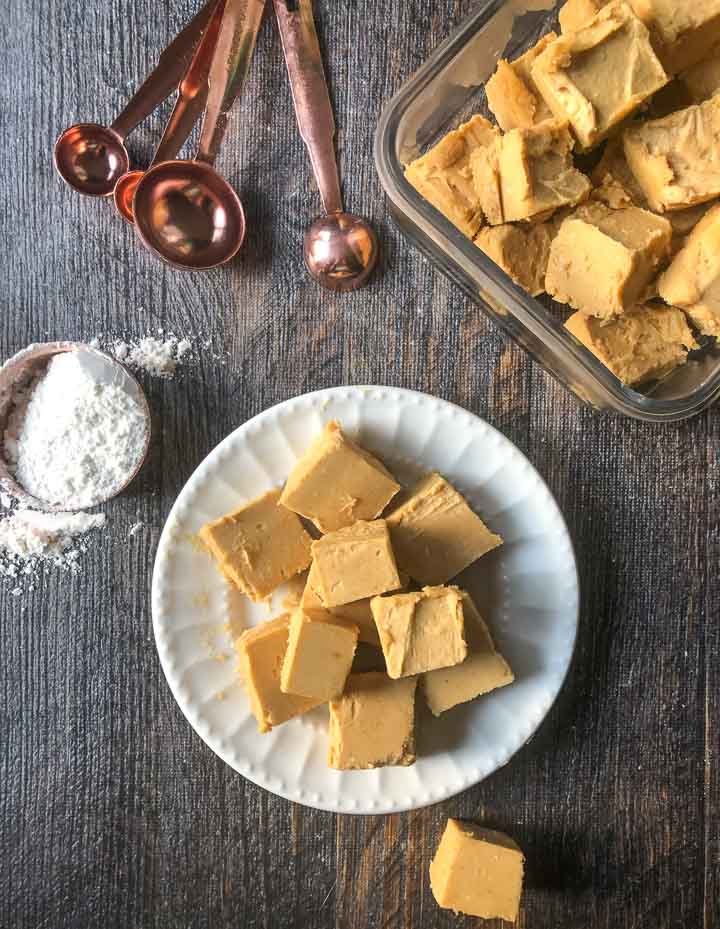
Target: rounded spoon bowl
91,158
340,251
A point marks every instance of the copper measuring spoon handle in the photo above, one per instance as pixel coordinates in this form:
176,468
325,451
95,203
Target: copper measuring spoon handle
164,78
308,84
230,65
192,92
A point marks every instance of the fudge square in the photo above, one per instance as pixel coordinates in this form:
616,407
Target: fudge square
521,250
259,546
354,563
336,482
598,76
693,279
533,172
644,344
444,178
512,96
261,651
435,534
602,260
676,160
420,630
319,656
373,724
357,613
483,670
478,872
683,31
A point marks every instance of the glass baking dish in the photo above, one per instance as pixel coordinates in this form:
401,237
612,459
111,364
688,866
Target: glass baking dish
445,92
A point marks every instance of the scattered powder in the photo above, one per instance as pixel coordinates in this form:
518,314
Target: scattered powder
135,528
29,540
157,356
71,440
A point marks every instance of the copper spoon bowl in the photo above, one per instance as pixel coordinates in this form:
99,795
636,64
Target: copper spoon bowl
91,158
191,99
18,372
185,212
340,249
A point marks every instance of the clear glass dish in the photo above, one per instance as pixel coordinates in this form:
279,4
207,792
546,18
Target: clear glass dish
446,91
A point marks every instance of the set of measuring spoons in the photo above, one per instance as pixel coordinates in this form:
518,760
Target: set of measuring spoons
184,211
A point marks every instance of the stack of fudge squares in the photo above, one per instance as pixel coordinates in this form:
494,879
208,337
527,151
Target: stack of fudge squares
633,247
378,572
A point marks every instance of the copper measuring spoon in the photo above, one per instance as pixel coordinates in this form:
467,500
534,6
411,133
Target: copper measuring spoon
91,158
185,212
340,249
191,100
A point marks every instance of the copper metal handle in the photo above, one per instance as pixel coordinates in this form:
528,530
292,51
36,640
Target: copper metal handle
164,78
313,108
230,65
192,92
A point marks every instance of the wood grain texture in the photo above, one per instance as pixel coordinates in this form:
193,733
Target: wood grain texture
112,812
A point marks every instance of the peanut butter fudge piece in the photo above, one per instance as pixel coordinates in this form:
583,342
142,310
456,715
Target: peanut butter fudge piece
537,175
444,178
512,96
676,160
644,344
357,614
319,656
602,260
259,546
336,482
373,724
702,81
354,563
598,76
261,651
576,13
522,251
478,872
693,279
420,630
483,670
435,534
683,31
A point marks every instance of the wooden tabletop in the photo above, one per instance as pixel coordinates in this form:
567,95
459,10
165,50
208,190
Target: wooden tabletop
113,813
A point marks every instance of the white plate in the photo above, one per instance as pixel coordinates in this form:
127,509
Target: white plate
527,590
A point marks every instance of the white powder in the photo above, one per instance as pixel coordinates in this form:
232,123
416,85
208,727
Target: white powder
73,441
155,355
30,534
135,528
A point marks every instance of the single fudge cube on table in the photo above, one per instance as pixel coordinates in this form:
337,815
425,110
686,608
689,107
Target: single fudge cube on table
421,630
357,613
483,670
373,724
336,482
676,160
354,563
574,14
259,546
602,260
435,534
597,77
644,344
522,251
512,96
533,172
693,279
478,872
683,31
444,178
261,651
319,656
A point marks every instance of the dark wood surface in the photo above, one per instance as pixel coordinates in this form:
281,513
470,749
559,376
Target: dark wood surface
112,812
